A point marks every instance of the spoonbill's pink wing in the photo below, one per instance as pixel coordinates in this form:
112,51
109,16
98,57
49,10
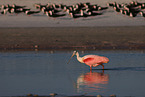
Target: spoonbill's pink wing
94,59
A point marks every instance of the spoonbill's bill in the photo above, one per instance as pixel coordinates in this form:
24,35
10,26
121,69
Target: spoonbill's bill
91,60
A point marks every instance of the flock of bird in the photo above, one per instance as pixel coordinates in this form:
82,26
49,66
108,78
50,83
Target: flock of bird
132,9
75,11
57,10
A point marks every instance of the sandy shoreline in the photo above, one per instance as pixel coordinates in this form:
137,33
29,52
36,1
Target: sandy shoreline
44,38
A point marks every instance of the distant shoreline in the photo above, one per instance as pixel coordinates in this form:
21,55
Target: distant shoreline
67,38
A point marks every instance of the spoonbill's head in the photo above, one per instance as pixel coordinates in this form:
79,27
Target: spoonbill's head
74,53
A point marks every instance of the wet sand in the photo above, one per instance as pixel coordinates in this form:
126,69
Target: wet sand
91,38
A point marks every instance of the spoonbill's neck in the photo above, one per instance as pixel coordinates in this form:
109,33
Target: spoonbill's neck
80,59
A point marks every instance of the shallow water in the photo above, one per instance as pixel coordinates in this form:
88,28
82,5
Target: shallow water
109,17
46,72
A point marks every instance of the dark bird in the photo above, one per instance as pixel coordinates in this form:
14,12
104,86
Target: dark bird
45,9
4,11
7,7
127,12
137,3
94,7
86,14
95,13
13,10
75,15
142,13
56,6
75,11
122,11
52,14
133,14
17,7
24,9
39,6
130,14
116,9
142,7
3,7
31,12
103,8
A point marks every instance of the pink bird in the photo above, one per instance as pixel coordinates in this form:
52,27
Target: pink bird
91,60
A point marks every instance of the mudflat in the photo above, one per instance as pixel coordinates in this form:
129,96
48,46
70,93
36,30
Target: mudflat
118,37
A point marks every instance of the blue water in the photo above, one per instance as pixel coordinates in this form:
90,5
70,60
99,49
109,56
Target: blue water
46,72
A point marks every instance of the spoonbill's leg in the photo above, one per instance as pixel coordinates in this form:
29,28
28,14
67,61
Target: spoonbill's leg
102,66
90,68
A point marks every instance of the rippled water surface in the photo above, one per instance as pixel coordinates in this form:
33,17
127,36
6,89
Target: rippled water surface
45,72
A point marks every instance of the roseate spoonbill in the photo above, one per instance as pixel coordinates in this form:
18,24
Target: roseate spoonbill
91,60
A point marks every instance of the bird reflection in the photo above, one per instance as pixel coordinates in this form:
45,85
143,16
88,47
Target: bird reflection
92,82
